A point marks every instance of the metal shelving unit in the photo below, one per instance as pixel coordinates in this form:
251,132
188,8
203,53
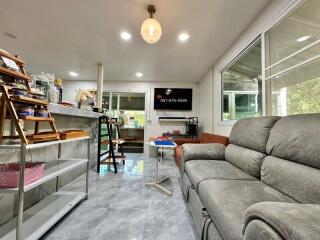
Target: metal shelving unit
37,220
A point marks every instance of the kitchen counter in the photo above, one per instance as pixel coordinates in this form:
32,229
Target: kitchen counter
57,109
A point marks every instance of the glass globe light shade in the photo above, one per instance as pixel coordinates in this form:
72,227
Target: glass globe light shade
151,30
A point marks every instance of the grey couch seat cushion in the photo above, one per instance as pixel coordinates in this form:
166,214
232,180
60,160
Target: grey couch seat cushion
199,170
252,133
292,221
227,200
296,138
246,159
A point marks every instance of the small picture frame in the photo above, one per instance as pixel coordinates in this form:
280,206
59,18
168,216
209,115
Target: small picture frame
10,64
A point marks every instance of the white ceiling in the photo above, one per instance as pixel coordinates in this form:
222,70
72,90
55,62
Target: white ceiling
74,35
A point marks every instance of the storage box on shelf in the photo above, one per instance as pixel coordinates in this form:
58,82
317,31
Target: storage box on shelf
37,220
9,173
10,102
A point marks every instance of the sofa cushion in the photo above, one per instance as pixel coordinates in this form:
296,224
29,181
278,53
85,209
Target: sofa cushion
252,133
297,181
296,138
196,209
199,170
247,160
226,201
185,186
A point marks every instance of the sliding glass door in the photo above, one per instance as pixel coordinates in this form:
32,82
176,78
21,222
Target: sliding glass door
129,109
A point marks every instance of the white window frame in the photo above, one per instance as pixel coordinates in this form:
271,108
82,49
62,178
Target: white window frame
234,60
279,16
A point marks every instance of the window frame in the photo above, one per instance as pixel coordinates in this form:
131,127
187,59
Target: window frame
279,16
267,80
248,47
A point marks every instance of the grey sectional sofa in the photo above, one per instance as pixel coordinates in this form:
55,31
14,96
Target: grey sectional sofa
265,185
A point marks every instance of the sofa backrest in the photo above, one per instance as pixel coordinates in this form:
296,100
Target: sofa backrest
248,141
293,166
252,133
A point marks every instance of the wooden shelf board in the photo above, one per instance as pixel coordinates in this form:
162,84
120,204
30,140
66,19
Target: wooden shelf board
37,119
29,100
118,141
43,137
73,134
14,73
109,160
11,137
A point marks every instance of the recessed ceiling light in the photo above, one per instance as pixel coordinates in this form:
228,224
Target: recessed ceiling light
139,74
73,74
302,39
125,36
183,37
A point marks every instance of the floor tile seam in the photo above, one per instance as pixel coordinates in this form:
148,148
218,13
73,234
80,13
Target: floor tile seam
176,211
128,208
145,220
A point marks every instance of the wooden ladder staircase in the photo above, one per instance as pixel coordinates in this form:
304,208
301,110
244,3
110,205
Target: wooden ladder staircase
105,138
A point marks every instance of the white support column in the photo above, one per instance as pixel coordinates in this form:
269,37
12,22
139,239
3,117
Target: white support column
100,85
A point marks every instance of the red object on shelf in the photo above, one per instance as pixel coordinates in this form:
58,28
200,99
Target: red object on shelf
9,173
161,138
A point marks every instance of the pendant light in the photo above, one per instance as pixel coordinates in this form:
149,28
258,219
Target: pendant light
151,28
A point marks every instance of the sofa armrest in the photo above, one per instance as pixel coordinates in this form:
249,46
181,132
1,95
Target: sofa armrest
180,141
292,221
213,151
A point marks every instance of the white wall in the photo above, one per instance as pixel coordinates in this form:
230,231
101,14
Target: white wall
262,23
206,103
153,126
70,88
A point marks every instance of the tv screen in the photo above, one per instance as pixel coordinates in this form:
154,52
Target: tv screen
173,98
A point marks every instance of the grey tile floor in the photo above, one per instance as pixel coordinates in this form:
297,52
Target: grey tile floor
120,207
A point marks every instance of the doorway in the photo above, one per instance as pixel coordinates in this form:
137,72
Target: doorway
129,109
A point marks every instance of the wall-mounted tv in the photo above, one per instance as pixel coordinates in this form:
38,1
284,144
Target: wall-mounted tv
173,99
